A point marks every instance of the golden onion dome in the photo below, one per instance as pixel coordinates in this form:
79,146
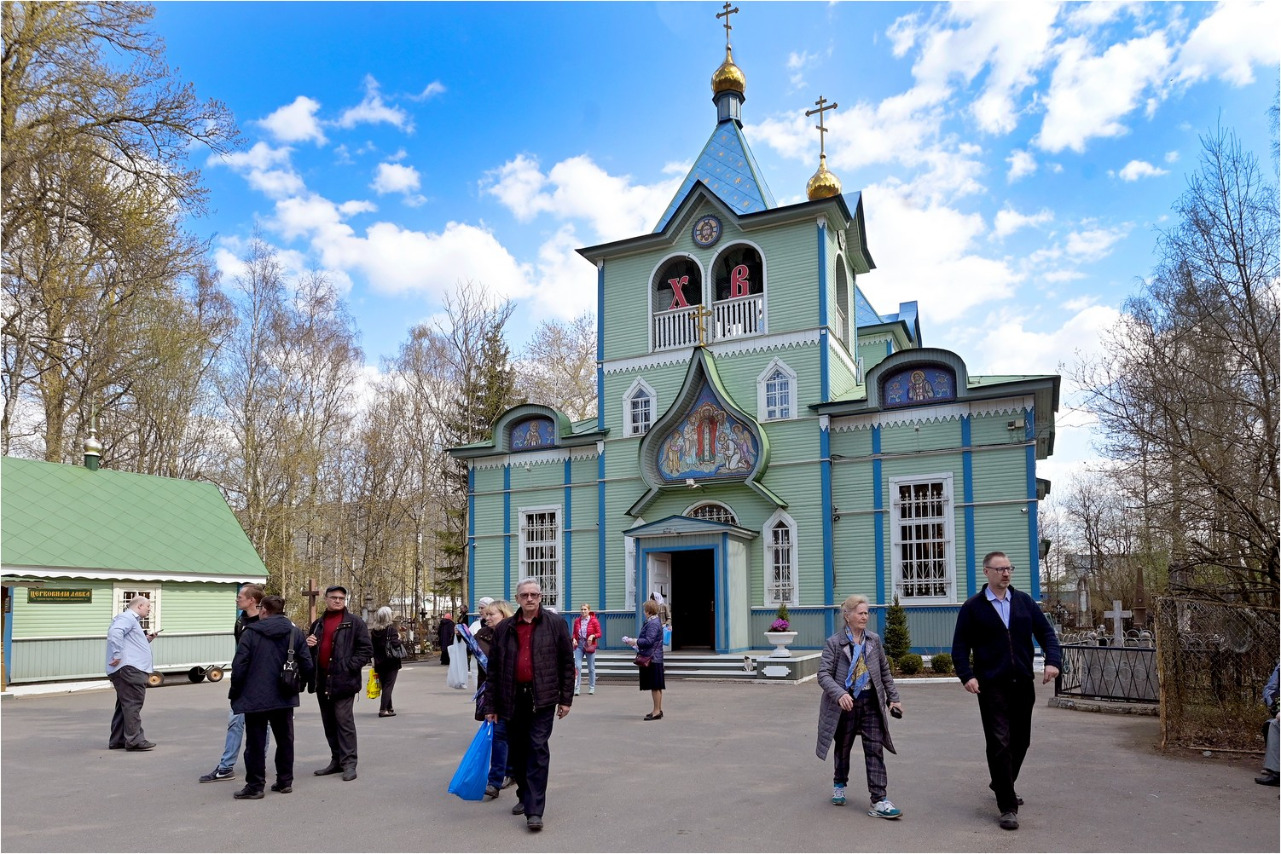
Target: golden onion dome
823,184
729,77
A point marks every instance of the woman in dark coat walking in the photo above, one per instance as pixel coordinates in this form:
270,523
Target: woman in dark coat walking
382,631
445,634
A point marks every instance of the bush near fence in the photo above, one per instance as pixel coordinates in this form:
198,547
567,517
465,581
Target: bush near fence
1214,659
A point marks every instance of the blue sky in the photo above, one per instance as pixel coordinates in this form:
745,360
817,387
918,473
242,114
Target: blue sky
1016,158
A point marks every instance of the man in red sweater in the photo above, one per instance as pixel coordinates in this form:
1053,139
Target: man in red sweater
340,642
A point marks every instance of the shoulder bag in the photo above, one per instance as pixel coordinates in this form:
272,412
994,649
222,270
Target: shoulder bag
290,675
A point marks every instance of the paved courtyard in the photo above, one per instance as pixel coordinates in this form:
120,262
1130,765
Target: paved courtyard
731,768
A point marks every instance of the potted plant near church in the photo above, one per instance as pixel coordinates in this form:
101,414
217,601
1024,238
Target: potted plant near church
780,634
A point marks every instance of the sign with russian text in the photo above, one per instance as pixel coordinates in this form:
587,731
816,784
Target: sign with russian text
44,594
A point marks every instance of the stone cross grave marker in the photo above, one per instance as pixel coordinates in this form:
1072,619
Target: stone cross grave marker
1116,615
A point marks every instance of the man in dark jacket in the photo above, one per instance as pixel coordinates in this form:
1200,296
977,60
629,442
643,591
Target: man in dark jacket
530,683
340,643
248,601
998,624
257,693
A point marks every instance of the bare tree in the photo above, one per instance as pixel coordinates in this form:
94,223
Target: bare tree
1188,390
558,367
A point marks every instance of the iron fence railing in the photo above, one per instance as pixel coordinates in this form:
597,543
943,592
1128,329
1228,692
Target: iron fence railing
1121,673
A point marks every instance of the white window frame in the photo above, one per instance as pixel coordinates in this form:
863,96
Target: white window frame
948,518
768,551
733,517
762,383
552,579
637,389
122,592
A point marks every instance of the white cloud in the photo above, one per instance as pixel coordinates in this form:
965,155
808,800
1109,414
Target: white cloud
796,65
1089,95
1055,277
566,285
295,122
1094,244
1136,169
1172,157
264,168
396,260
395,178
903,33
1008,221
373,110
433,89
1011,344
942,272
1231,41
577,188
1021,163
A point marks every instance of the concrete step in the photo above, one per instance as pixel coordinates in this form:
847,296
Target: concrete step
617,666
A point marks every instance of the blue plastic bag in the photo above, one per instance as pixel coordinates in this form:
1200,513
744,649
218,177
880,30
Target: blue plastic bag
473,772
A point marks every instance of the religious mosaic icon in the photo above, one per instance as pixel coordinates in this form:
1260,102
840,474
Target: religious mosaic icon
707,231
917,385
708,442
532,434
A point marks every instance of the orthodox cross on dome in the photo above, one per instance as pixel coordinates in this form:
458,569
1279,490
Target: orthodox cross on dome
728,11
821,129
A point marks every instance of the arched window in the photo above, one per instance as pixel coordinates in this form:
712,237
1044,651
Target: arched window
780,560
739,277
639,406
713,512
675,294
776,393
842,320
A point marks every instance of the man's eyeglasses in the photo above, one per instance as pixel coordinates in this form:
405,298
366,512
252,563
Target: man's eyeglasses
1009,568
528,595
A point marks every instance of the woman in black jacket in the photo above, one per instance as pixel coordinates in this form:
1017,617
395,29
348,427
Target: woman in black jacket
382,631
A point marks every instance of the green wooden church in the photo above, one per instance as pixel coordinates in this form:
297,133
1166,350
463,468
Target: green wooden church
764,435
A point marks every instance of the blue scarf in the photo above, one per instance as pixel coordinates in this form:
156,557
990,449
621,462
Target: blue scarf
858,676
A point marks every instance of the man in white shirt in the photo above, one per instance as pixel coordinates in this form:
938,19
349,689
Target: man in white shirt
128,666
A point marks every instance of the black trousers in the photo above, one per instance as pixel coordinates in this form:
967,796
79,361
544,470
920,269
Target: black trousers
528,732
339,719
126,721
1006,709
388,681
281,722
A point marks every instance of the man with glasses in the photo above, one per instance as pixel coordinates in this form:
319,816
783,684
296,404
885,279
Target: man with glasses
341,646
997,624
530,684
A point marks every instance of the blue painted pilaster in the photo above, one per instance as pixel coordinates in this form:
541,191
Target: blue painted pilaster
824,368
829,539
567,605
600,525
507,534
878,505
600,351
967,492
1033,540
471,539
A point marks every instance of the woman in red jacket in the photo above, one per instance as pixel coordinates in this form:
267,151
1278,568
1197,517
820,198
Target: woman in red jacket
586,634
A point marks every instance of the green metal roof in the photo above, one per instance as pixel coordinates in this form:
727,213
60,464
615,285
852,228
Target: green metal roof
60,517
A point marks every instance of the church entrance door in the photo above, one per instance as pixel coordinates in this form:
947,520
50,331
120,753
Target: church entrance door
693,599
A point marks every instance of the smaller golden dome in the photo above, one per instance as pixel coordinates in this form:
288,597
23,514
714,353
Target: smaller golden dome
729,77
823,184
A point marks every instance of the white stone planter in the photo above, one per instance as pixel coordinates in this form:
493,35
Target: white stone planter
780,641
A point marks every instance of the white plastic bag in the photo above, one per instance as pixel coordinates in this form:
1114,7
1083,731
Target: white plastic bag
457,676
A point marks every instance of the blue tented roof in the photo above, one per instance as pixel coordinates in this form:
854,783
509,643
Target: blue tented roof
726,166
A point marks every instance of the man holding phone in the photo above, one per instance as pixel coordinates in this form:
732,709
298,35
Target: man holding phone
128,665
340,643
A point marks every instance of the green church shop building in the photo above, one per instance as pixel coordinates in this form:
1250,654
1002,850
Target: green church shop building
764,435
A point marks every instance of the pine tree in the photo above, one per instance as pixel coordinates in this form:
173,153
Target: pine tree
898,640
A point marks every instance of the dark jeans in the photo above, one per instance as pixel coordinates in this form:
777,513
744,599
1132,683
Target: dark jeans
527,734
281,722
498,755
388,681
126,721
340,727
1006,709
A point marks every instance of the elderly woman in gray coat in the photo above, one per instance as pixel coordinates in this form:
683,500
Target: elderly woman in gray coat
857,687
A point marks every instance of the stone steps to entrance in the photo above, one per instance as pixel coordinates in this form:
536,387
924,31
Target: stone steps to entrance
618,666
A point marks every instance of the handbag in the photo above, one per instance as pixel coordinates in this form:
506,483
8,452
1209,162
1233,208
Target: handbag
472,775
393,648
290,676
457,675
642,660
590,646
374,689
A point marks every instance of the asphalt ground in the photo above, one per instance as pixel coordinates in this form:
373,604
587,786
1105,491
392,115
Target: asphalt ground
730,768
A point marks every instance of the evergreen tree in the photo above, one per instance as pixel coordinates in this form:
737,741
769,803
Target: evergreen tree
898,640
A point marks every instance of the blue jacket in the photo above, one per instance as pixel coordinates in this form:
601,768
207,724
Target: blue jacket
650,640
1001,654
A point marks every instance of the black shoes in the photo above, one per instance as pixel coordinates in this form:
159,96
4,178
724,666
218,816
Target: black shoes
534,823
387,714
491,792
348,775
248,794
331,768
519,809
1268,778
654,717
218,774
283,789
142,745
1009,820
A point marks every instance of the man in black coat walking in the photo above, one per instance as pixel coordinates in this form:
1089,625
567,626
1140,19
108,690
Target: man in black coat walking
257,693
529,684
341,645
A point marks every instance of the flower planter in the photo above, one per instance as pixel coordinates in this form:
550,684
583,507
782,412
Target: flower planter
780,641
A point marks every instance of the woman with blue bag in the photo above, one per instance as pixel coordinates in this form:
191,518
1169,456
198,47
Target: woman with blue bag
499,774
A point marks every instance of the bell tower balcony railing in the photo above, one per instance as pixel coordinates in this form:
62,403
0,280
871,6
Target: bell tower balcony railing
731,318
